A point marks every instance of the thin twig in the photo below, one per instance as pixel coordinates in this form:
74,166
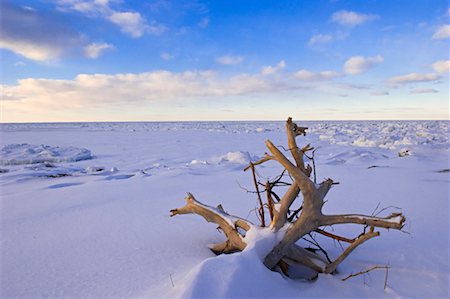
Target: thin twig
266,158
386,277
313,163
386,267
295,213
333,236
269,200
261,207
315,243
276,196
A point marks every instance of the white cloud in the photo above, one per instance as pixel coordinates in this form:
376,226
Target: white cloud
95,50
130,23
442,32
442,66
165,56
320,39
229,60
351,18
269,70
414,78
306,75
423,90
358,64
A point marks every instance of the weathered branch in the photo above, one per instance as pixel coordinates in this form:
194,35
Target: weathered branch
303,182
394,221
331,267
307,219
293,131
266,158
226,222
286,201
311,217
224,247
270,202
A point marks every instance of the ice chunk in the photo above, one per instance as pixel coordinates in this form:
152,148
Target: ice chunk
19,154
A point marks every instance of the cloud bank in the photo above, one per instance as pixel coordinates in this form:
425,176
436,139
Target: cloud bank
414,78
34,35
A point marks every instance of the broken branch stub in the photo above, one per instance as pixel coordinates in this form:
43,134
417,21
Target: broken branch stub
305,220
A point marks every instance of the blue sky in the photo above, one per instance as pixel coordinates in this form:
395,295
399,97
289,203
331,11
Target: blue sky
100,60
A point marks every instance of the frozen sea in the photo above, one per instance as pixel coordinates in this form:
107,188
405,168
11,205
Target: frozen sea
85,208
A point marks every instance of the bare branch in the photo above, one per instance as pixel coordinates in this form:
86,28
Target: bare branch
320,248
304,221
395,220
261,207
226,222
333,236
304,183
284,205
293,131
266,158
331,267
303,257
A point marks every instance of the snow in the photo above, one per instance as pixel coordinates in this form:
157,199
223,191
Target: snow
85,208
18,154
239,157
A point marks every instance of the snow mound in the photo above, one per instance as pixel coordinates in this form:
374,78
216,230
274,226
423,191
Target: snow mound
356,156
235,157
20,154
232,276
238,158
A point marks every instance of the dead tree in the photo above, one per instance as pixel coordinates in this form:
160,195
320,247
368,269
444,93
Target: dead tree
293,225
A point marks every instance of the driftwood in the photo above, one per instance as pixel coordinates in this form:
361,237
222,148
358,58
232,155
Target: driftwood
295,225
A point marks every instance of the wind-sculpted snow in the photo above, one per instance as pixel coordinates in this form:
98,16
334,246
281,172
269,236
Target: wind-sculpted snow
87,214
239,157
19,154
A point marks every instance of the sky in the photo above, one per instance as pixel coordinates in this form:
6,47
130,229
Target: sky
163,60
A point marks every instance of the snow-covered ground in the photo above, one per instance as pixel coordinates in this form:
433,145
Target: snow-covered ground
85,208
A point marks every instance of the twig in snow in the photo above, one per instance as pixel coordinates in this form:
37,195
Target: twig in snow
171,280
386,267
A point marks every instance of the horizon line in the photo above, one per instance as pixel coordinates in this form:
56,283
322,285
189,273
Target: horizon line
175,121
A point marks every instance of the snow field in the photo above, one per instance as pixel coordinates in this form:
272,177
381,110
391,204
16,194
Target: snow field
100,227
